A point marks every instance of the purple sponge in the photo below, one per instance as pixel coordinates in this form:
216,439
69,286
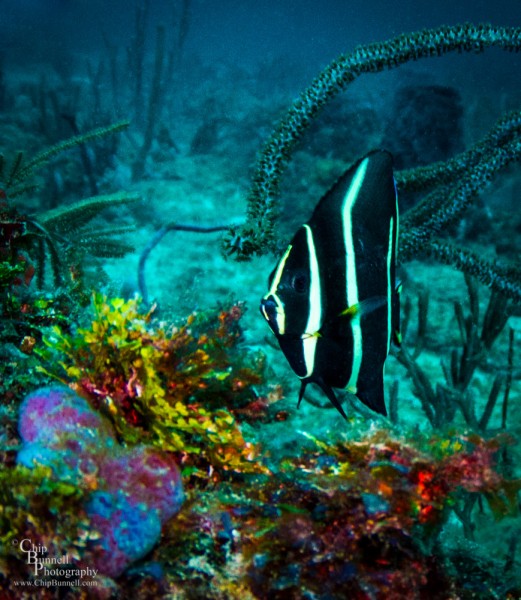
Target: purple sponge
136,489
148,477
50,414
128,532
60,430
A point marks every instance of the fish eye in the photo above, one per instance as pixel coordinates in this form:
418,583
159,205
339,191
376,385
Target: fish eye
300,283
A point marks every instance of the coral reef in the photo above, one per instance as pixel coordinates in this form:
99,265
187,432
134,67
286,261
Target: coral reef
65,240
164,458
37,506
96,474
359,518
168,386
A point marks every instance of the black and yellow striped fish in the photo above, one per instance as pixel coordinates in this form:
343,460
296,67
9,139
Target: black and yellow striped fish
332,301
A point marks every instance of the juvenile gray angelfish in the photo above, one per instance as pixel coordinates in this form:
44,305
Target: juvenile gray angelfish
332,301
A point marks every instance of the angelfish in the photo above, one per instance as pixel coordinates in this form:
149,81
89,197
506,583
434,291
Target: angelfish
332,302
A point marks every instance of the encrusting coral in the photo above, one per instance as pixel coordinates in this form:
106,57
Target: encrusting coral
163,388
353,519
360,519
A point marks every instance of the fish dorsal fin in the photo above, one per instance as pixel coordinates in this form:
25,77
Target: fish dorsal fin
380,162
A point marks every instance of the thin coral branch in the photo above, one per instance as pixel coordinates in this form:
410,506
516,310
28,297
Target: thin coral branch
503,279
441,402
491,402
154,105
27,170
444,206
72,217
158,236
393,402
508,383
507,128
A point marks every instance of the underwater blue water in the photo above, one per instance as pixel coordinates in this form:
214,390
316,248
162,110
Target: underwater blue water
241,31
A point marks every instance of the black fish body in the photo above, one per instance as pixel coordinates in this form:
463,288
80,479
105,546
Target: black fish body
332,301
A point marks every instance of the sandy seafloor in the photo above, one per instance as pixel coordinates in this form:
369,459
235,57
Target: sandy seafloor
186,271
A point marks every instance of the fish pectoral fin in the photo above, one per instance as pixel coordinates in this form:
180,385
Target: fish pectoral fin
364,307
397,338
306,335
